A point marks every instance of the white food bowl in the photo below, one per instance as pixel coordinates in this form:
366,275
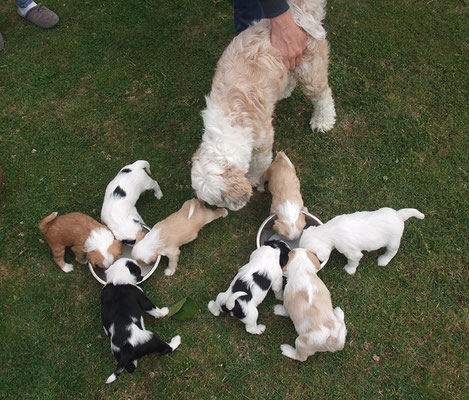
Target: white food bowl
147,270
266,232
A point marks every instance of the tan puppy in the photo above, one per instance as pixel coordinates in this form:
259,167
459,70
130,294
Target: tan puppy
168,235
307,302
287,202
86,237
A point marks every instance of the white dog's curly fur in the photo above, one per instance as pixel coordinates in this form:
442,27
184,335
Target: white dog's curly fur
250,78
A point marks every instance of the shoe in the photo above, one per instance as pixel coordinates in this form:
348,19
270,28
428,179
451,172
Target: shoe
2,43
42,17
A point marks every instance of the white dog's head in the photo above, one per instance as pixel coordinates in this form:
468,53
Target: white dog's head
312,241
219,185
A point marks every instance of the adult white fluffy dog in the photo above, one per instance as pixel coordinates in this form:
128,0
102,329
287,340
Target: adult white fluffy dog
250,78
353,233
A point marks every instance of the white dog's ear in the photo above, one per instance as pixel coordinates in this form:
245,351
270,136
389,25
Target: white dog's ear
238,189
323,253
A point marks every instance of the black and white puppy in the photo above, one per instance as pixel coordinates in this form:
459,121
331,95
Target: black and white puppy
252,283
122,302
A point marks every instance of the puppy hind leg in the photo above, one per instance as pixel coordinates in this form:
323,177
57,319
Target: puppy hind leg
280,310
173,256
58,255
250,320
125,357
391,251
80,255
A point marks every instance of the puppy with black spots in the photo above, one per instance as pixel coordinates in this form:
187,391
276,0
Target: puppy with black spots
119,212
122,303
251,285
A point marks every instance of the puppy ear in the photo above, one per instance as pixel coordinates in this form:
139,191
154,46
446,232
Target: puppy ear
280,228
301,222
140,235
238,190
95,258
323,253
115,249
291,256
312,257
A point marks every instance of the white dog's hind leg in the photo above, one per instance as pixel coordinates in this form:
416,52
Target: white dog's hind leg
297,353
391,251
214,308
291,85
353,260
250,320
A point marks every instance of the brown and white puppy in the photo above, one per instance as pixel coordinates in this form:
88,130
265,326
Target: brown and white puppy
249,79
86,237
307,301
168,235
287,202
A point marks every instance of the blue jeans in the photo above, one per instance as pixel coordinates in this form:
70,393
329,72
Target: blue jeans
245,13
23,3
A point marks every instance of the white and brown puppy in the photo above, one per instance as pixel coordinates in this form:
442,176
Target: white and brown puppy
287,202
353,233
119,212
167,236
251,284
249,79
86,237
122,304
306,300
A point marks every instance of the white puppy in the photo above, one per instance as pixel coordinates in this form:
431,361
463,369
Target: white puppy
250,78
307,302
119,212
353,233
250,286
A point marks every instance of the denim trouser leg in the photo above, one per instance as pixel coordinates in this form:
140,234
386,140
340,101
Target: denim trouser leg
245,13
23,3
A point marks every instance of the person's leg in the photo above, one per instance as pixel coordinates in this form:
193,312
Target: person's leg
37,14
245,12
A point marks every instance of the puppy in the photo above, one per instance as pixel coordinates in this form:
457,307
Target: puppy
249,79
287,202
119,212
86,237
122,303
251,284
308,303
353,233
168,235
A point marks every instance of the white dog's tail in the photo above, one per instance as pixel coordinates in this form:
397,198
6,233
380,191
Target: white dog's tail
143,164
230,303
406,213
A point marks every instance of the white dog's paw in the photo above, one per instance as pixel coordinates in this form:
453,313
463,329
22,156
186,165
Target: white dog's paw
350,270
322,123
288,351
383,261
257,330
225,213
213,308
280,310
158,193
169,271
175,342
67,268
159,312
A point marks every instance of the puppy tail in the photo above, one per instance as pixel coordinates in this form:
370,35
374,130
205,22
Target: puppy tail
406,213
144,165
231,300
43,225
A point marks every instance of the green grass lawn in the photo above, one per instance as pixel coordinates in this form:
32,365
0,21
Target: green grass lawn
119,81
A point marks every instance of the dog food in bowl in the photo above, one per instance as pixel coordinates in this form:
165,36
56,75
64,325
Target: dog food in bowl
266,231
147,270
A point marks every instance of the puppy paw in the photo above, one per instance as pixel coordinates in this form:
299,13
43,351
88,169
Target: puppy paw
280,310
159,312
257,330
288,351
169,271
67,268
213,308
225,213
350,270
175,342
383,261
158,194
321,123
